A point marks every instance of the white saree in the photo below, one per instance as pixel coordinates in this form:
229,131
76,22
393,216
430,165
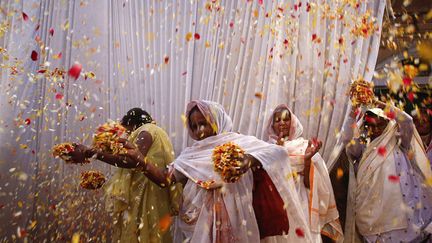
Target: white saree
318,201
389,198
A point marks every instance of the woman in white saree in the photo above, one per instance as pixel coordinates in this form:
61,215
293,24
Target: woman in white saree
214,211
390,197
313,181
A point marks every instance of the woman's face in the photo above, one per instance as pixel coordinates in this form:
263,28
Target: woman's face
282,123
199,125
129,128
375,126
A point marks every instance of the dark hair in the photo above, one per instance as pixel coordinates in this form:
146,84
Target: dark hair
136,117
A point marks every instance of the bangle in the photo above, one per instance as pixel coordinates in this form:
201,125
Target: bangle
170,178
142,165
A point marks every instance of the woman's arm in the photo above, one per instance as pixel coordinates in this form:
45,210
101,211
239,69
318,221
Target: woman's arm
347,132
134,158
143,142
353,145
313,147
160,176
81,152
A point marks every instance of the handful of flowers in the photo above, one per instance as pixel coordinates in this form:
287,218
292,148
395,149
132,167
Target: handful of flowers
361,92
106,138
62,151
92,180
226,161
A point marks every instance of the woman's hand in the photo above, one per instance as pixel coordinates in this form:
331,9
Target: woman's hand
248,161
281,139
79,155
314,145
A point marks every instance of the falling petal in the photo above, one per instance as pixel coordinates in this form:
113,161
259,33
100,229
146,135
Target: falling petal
339,173
34,56
393,178
382,150
25,16
259,95
299,232
165,223
57,56
75,71
59,96
188,36
390,115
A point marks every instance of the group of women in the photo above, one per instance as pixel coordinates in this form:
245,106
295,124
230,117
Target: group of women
284,194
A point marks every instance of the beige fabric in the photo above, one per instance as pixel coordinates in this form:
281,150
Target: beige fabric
370,196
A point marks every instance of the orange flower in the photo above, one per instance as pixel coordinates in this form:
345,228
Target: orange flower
165,223
106,138
226,161
62,151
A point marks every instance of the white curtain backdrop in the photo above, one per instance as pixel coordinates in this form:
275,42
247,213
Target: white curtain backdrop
158,55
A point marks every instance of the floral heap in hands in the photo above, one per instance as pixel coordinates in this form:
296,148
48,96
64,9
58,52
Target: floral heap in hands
227,161
107,136
361,92
63,150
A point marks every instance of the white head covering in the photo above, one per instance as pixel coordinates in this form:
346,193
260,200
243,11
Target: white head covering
213,112
296,128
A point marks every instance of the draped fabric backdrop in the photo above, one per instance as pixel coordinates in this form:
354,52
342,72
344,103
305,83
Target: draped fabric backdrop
248,55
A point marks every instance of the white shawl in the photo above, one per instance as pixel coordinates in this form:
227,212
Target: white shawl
214,211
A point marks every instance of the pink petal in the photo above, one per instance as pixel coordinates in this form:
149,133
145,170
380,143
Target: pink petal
59,96
25,16
299,232
411,96
75,71
391,115
382,150
393,178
